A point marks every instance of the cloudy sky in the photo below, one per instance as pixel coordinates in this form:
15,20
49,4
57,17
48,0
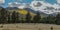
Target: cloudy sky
6,2
46,6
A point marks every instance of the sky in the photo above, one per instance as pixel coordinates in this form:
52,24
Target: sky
6,2
46,6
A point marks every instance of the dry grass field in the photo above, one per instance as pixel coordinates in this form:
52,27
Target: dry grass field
29,26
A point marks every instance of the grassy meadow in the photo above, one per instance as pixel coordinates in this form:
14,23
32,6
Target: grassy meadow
30,26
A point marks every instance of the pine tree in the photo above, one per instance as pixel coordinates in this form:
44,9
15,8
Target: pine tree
58,18
37,18
15,17
9,18
50,19
3,15
28,18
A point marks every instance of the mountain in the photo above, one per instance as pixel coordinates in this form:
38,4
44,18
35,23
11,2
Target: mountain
39,6
11,8
42,13
29,9
35,12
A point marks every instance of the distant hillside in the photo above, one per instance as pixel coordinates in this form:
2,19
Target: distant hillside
35,12
11,8
22,11
25,10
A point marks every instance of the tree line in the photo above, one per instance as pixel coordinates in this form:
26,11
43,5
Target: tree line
14,17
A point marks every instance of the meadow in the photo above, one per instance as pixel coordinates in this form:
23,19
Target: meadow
30,26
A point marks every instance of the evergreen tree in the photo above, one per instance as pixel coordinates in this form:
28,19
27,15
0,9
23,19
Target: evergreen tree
15,17
28,18
37,18
50,19
3,15
58,18
9,18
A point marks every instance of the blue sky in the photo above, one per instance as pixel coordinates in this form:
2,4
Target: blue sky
51,1
27,1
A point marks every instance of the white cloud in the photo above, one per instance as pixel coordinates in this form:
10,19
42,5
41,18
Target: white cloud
51,8
19,5
15,4
23,5
38,6
2,1
33,5
58,1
